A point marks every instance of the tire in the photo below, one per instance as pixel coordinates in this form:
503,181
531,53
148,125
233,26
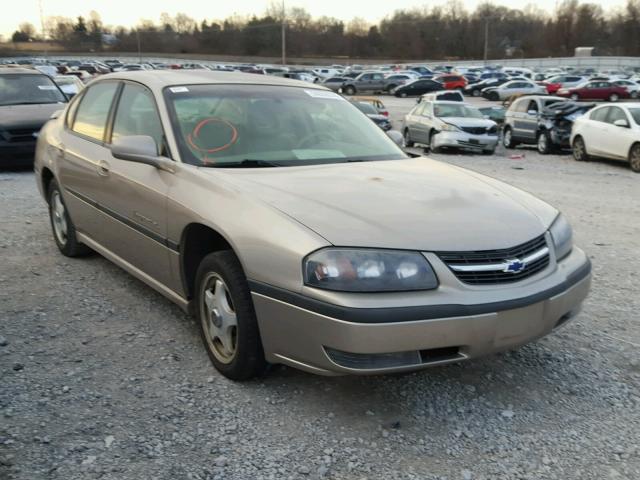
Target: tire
489,151
580,150
476,93
634,158
544,143
63,228
432,147
634,94
507,139
390,87
350,90
223,298
575,97
614,97
493,96
407,139
403,95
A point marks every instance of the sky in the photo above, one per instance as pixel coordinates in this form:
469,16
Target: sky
129,12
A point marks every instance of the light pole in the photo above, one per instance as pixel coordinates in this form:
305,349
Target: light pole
284,36
486,39
138,40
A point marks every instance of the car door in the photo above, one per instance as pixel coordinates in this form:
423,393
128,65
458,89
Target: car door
617,140
364,83
377,82
426,122
594,130
528,127
413,122
517,115
134,195
82,154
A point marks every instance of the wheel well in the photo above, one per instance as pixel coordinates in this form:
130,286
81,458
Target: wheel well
47,176
198,241
634,145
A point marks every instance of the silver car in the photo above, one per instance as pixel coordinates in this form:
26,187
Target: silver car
296,231
454,124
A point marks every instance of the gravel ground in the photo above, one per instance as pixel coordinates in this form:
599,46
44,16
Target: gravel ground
103,378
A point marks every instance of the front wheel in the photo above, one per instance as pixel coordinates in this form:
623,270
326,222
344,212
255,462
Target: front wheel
227,318
507,139
64,230
476,93
544,142
403,95
580,150
433,148
494,97
575,97
407,139
634,158
614,97
350,90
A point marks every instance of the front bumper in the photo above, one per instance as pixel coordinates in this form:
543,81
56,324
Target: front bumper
467,141
560,138
339,340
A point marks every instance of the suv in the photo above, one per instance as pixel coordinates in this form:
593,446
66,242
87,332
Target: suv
365,82
28,98
521,123
452,82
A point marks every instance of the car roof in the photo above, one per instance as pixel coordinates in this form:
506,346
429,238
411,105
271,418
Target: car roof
542,97
20,70
158,79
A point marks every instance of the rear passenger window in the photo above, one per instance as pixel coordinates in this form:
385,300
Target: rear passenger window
600,114
137,115
616,113
520,106
92,113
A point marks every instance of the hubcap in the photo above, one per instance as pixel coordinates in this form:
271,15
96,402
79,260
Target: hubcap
219,319
60,227
542,143
578,150
635,159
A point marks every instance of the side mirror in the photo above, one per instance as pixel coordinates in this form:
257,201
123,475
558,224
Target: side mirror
532,112
621,123
140,149
396,136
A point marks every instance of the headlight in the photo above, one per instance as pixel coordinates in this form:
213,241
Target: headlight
562,236
446,127
365,270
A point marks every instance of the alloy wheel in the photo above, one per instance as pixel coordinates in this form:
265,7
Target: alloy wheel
543,146
219,320
60,227
634,159
579,150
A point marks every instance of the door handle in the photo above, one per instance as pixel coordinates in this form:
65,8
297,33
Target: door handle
103,168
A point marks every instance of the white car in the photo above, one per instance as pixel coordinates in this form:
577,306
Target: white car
511,88
632,87
69,84
609,131
441,124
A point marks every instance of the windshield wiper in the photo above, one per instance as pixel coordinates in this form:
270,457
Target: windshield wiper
25,103
247,163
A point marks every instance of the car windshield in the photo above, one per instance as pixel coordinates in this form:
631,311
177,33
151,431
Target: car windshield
26,89
226,125
635,113
452,110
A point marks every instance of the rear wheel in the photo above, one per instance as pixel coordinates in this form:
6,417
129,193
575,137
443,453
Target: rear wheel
476,93
407,138
227,318
634,158
580,150
544,142
507,139
403,94
494,97
575,97
350,90
64,231
614,97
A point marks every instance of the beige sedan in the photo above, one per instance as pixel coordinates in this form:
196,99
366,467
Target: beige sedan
296,230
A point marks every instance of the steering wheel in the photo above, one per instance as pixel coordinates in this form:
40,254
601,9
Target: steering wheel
192,137
313,135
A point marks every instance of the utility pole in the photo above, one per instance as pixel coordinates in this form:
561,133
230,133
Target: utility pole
139,51
284,36
44,31
486,39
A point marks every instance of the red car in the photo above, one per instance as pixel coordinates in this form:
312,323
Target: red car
554,84
595,90
452,82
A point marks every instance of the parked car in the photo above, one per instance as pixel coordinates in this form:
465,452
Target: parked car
554,84
522,119
417,87
609,131
279,270
475,89
375,101
28,98
371,82
395,80
334,83
497,114
555,123
514,87
440,124
451,95
632,87
595,90
371,112
452,82
69,84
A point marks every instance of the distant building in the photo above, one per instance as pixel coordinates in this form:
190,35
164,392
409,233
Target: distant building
584,51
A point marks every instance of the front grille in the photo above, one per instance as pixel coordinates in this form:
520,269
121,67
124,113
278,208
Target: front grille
479,130
487,267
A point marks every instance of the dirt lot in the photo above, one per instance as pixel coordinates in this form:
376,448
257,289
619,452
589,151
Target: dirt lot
103,378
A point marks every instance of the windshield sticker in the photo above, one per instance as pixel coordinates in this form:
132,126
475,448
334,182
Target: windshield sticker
179,89
323,94
47,87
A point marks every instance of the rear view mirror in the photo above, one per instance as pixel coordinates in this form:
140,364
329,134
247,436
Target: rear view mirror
621,123
140,149
396,136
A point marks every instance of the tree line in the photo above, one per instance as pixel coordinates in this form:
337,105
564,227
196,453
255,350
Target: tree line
441,32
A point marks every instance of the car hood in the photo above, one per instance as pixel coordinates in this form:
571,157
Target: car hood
416,204
469,122
16,116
